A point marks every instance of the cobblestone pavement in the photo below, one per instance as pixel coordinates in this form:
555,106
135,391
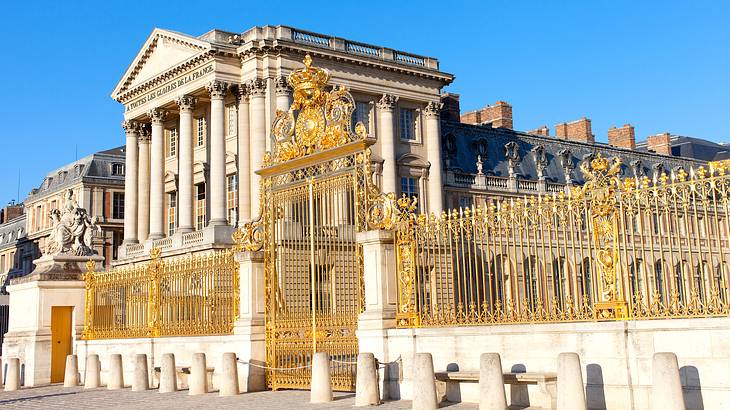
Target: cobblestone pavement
58,397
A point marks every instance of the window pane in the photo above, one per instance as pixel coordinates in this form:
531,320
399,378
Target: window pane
407,124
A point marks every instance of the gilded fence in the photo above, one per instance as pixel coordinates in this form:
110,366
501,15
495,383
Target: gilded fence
182,296
615,248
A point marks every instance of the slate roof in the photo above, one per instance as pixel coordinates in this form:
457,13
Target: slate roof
468,140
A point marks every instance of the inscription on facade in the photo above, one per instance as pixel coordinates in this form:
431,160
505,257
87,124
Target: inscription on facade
169,87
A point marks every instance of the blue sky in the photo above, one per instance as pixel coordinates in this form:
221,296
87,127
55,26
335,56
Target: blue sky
662,66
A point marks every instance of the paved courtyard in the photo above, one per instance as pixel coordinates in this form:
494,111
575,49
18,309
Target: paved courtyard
58,397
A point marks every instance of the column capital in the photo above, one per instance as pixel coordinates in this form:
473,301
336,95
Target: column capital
186,102
157,116
241,91
282,85
217,89
130,126
433,109
145,134
387,102
257,87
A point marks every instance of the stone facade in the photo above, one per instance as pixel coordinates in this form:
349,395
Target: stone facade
16,252
198,114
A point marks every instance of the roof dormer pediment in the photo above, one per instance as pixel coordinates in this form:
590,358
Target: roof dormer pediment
163,50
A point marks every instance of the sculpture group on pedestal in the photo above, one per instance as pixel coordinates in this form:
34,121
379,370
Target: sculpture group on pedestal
72,230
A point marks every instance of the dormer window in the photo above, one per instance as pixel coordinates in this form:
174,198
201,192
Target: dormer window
118,169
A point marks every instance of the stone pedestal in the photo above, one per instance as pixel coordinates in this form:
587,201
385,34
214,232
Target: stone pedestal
250,323
56,281
381,297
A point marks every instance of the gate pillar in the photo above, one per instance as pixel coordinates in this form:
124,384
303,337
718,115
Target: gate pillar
250,323
381,297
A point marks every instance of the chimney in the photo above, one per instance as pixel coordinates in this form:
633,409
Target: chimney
623,137
498,115
11,212
659,143
450,111
542,130
578,130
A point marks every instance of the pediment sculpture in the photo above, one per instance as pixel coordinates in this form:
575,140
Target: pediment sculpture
72,231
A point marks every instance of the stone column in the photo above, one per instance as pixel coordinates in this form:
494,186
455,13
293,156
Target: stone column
130,182
218,208
283,93
257,88
185,165
244,155
433,153
387,141
157,174
143,208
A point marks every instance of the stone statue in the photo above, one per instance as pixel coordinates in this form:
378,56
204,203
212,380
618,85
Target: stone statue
72,230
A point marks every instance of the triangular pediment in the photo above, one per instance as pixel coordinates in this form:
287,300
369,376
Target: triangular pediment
163,50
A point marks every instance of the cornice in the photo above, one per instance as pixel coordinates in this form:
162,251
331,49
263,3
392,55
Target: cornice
278,46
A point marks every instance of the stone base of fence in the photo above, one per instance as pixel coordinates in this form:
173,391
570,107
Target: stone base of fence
616,358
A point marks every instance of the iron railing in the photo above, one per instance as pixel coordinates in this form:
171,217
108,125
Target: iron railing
612,249
182,296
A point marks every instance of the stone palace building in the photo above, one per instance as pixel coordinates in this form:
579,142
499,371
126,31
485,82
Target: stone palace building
198,114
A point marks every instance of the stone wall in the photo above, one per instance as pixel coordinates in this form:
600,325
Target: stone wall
616,357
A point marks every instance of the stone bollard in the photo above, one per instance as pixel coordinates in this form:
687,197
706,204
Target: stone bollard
116,374
666,388
168,374
491,383
367,392
12,379
71,374
571,392
321,383
424,384
228,380
198,379
141,380
92,372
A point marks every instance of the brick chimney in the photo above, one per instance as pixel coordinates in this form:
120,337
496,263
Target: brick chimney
542,130
498,115
450,111
578,130
660,143
623,137
10,212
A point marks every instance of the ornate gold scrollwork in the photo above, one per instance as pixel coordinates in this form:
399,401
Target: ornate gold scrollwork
89,282
154,269
323,118
249,237
602,182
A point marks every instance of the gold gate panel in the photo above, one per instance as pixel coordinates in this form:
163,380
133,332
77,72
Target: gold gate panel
314,191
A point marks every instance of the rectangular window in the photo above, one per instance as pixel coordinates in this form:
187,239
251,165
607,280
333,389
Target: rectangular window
200,206
171,213
232,198
2,264
409,187
118,169
171,142
200,131
231,120
361,114
407,124
465,202
118,205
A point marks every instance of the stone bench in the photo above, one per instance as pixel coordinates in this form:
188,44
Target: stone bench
182,376
449,385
